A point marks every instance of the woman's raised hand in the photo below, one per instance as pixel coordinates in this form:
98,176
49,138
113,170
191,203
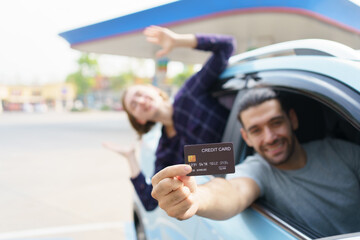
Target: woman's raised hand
162,37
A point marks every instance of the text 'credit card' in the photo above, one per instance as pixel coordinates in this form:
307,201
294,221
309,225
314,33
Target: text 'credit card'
210,159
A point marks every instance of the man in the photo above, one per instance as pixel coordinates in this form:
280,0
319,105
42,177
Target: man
316,183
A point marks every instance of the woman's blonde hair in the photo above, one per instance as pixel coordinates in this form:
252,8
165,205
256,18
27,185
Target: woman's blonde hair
141,128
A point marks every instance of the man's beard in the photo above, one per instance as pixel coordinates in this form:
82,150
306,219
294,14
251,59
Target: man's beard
289,151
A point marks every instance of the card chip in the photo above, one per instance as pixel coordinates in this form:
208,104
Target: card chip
192,158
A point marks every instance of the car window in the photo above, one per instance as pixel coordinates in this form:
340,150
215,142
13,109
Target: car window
324,110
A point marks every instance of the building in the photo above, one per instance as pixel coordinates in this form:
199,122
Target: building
55,96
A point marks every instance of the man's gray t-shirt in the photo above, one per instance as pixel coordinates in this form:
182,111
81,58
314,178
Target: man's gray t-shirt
324,195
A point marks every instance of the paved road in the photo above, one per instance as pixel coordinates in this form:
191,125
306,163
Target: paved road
56,180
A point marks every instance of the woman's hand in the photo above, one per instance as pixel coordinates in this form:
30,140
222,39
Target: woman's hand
168,39
161,36
127,151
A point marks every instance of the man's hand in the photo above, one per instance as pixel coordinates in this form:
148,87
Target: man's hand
161,36
176,192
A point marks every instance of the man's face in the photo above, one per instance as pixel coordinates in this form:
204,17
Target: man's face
269,130
142,102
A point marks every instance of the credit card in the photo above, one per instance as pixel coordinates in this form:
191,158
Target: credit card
210,158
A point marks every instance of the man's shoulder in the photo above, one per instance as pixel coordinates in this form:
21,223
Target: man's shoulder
334,148
254,167
254,160
329,142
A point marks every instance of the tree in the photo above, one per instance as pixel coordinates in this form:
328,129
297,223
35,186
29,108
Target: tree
84,77
122,80
180,78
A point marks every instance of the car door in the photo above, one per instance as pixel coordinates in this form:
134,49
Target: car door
342,101
157,224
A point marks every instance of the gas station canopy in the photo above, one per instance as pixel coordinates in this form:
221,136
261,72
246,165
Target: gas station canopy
252,23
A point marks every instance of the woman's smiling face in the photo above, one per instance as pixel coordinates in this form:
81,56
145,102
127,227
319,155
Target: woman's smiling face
143,101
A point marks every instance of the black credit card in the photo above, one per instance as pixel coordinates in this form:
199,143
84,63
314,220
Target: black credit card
210,158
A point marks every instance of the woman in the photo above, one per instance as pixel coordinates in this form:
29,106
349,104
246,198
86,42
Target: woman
194,117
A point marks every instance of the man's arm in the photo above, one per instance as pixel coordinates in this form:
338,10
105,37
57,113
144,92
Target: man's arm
222,199
218,199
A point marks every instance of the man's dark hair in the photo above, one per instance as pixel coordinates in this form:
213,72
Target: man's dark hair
256,96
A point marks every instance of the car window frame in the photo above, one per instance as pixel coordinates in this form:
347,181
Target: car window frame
344,100
315,86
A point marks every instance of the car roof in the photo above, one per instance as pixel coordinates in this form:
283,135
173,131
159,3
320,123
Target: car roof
342,70
313,47
319,56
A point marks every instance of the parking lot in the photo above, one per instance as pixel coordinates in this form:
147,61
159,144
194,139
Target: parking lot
58,182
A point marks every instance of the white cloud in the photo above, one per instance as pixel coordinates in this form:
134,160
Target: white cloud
357,2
